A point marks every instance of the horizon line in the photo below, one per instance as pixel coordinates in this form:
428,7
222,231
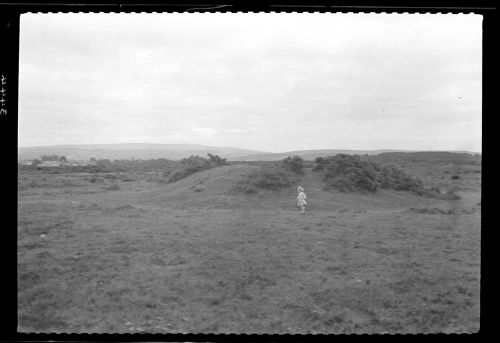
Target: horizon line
256,150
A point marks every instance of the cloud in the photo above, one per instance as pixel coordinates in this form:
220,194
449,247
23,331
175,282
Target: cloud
204,131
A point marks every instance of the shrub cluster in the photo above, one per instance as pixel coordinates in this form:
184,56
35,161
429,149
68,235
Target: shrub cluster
268,177
392,178
194,164
294,164
348,173
217,161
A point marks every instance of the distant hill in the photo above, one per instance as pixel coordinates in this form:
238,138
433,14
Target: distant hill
310,154
147,151
131,150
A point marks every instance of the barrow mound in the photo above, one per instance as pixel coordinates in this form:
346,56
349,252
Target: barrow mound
216,188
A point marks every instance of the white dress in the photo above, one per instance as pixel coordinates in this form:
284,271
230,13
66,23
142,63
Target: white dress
301,199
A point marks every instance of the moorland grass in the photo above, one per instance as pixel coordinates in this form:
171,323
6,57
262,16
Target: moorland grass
98,261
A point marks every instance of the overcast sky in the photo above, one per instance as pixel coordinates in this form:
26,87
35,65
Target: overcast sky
270,82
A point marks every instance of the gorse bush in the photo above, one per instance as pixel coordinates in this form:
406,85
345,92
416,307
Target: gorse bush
348,173
273,179
189,166
294,164
268,177
319,164
392,178
194,164
217,161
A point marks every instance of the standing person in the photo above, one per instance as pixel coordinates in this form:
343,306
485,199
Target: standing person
301,199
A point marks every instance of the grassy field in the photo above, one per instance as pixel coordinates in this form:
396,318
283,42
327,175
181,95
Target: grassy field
123,253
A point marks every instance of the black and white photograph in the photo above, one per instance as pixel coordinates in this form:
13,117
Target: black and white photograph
249,173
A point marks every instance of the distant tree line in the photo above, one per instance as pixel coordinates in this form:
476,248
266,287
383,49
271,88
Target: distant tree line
159,164
44,158
54,158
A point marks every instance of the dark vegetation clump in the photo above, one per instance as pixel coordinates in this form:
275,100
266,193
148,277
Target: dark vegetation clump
216,160
349,173
455,177
194,164
294,164
272,177
390,177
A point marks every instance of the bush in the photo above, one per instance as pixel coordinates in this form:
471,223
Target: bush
354,181
271,178
348,173
217,161
455,177
393,178
193,164
294,164
319,164
189,166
